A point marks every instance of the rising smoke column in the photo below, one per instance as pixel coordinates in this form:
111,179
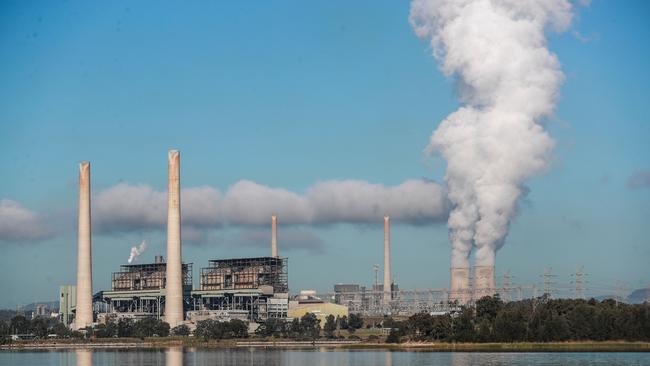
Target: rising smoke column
508,82
136,251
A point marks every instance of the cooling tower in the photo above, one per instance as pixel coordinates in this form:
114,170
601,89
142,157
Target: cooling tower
387,287
84,312
174,279
274,236
460,290
484,282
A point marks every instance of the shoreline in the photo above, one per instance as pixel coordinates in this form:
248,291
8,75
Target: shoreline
607,346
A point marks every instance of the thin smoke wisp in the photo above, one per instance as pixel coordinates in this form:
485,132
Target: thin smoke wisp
136,251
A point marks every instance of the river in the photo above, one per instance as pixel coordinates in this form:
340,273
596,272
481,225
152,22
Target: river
317,357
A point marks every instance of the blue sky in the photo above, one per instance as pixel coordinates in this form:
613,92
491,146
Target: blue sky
288,94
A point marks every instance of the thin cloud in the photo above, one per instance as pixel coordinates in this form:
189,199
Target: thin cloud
640,179
19,224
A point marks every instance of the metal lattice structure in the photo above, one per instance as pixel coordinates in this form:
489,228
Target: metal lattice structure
408,302
246,273
150,276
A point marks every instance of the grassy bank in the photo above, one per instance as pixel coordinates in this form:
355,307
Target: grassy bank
121,343
609,346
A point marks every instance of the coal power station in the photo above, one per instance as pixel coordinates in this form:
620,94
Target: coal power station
252,289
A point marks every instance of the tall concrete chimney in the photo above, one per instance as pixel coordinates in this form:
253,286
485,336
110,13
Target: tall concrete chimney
274,235
387,282
484,282
460,290
174,280
84,314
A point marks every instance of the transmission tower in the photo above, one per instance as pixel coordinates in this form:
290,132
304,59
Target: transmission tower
375,267
580,281
505,284
548,281
621,289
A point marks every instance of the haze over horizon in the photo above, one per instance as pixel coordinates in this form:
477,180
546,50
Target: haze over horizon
319,113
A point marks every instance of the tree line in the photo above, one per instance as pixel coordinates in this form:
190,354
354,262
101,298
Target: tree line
533,320
308,327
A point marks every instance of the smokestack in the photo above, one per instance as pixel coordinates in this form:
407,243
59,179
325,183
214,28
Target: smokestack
484,282
459,285
274,236
84,314
387,289
174,279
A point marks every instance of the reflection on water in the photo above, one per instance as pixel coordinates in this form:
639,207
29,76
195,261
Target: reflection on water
174,356
177,356
389,359
84,357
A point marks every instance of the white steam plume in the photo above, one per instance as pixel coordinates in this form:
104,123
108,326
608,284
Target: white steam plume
136,251
508,81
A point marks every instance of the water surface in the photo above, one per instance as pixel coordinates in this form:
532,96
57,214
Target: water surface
317,357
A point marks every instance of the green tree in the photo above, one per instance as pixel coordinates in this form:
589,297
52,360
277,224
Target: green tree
39,327
144,327
441,328
393,336
510,326
295,329
420,326
20,325
161,328
330,326
355,322
181,330
272,327
236,329
488,307
60,330
213,329
103,331
343,322
463,326
4,328
206,329
125,328
310,326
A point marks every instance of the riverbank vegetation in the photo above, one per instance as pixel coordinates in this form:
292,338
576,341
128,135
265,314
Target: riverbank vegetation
490,321
533,320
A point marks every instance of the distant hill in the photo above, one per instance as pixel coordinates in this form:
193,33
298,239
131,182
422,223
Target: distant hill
52,305
639,296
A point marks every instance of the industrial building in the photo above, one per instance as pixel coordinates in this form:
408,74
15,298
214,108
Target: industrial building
257,286
244,288
67,302
138,290
321,309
